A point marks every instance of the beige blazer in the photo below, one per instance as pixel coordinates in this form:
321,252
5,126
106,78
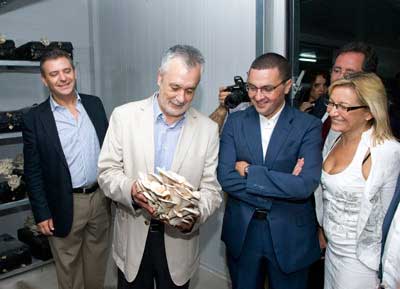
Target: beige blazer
128,149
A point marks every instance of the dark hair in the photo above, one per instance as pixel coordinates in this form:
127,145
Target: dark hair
315,74
273,60
370,63
304,94
54,54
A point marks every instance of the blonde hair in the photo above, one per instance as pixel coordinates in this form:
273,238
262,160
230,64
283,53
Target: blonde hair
370,92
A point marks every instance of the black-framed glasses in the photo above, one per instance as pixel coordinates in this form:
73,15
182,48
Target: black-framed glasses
265,90
343,108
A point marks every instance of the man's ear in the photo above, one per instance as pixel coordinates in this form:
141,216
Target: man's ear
288,85
159,78
44,81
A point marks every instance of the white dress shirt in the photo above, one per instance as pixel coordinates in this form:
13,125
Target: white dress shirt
267,126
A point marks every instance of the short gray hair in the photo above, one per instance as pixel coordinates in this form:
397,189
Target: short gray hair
190,55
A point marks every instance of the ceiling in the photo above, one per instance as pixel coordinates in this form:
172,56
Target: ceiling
372,21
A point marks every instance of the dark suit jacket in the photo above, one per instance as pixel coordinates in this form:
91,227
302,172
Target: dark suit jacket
45,168
271,185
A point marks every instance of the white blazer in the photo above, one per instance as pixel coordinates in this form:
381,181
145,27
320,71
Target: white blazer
391,255
378,192
128,149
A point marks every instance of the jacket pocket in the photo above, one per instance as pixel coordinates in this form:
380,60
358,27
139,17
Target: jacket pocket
120,233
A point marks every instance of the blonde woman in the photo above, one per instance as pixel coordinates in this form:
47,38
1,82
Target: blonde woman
358,180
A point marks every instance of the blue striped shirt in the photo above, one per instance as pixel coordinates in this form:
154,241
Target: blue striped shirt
79,142
165,137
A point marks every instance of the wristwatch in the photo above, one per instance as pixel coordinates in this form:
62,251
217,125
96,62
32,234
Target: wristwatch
246,170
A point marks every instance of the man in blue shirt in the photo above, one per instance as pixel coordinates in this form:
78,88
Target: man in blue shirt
62,139
160,131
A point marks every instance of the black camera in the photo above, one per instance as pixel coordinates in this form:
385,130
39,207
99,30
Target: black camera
238,93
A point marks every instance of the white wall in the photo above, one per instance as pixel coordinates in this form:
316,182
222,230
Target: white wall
275,26
129,38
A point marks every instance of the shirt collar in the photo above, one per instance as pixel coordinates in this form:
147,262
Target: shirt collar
158,114
54,105
273,120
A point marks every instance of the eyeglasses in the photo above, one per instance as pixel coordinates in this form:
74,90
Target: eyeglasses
265,90
341,107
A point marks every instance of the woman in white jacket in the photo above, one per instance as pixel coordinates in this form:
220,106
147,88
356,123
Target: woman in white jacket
358,181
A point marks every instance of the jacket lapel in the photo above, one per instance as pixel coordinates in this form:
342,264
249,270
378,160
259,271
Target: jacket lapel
371,194
252,132
49,125
279,135
145,127
185,140
91,111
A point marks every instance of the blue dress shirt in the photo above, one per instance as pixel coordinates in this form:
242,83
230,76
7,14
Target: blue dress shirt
165,137
79,142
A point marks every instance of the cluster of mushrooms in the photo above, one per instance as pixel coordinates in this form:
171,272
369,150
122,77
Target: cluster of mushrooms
11,171
173,198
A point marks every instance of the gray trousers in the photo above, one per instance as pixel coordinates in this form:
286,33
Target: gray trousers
81,257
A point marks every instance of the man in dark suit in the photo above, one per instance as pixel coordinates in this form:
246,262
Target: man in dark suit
270,164
62,139
351,58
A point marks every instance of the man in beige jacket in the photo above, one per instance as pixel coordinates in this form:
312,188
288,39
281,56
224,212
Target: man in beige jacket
160,131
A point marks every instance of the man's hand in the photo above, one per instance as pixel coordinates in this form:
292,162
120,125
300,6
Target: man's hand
298,167
46,227
306,106
240,167
321,238
140,199
185,227
222,95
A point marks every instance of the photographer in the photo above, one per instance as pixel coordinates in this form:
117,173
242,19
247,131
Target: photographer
231,98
